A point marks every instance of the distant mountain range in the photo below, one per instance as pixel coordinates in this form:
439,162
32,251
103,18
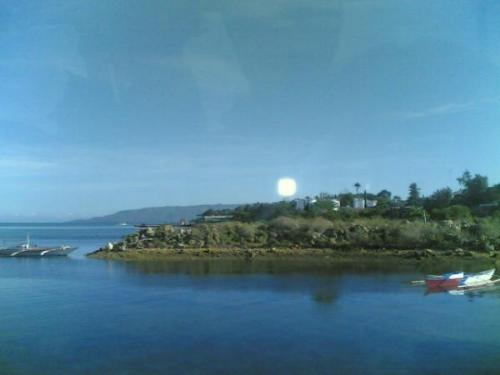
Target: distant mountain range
155,215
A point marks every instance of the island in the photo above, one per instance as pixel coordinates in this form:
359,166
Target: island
447,224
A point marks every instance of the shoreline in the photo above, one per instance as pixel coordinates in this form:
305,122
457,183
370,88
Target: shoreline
328,255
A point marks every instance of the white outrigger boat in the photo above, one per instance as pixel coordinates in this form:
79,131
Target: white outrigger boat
476,279
29,250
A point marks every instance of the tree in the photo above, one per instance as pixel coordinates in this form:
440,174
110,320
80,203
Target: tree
397,201
494,193
324,196
346,199
383,198
465,179
439,199
384,194
414,195
323,204
474,189
357,186
455,212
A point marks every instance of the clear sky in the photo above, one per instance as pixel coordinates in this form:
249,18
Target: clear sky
107,105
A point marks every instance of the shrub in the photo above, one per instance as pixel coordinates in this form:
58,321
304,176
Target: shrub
456,212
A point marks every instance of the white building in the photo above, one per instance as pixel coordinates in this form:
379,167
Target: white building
358,203
336,204
300,204
361,203
310,201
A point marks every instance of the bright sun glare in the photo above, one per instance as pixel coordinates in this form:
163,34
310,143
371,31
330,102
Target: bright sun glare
287,187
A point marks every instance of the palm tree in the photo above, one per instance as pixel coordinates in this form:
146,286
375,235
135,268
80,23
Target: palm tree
357,186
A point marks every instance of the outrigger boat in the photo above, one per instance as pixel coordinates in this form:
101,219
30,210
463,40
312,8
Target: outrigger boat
445,281
29,250
459,281
477,279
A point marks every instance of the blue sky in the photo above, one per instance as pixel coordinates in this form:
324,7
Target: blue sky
107,105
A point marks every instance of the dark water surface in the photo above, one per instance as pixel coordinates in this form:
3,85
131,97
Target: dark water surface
83,316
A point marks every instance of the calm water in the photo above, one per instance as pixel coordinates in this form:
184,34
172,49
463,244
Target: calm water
82,316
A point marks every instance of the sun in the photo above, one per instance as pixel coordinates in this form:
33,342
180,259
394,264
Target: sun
287,187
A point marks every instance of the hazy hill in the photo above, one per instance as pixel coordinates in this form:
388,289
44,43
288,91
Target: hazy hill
155,215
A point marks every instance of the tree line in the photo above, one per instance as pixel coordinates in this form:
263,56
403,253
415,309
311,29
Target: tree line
475,197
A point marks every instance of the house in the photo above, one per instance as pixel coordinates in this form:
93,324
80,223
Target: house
336,204
216,218
362,203
300,204
358,203
310,201
489,205
486,208
183,226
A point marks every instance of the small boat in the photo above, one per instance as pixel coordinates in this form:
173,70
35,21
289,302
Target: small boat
475,279
29,250
467,290
445,281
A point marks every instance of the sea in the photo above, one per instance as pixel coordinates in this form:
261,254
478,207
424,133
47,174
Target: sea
75,315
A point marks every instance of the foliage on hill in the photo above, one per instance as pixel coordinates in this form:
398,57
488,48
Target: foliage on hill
475,198
287,232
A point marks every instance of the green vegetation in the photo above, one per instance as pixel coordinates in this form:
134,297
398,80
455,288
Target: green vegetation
322,233
474,199
468,220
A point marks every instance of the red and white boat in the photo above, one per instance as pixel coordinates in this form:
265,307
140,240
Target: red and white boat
445,281
477,279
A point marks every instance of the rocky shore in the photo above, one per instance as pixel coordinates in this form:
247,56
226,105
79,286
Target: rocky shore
425,256
375,241
299,238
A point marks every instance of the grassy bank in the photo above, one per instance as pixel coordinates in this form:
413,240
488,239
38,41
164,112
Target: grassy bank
329,242
297,234
323,255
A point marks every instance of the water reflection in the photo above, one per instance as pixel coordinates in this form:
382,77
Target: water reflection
197,267
205,267
322,285
477,293
191,315
323,282
325,296
79,316
471,294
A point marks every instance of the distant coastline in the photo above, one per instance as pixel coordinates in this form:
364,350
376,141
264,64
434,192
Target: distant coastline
153,215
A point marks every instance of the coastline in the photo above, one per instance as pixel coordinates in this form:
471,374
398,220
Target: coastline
324,255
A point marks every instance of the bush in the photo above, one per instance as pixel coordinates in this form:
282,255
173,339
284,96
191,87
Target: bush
456,212
375,232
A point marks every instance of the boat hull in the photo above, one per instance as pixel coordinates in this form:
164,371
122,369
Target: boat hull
446,281
477,278
442,284
37,252
6,252
60,251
